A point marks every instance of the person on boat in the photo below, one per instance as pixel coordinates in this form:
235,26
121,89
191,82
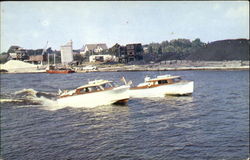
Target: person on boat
147,78
86,89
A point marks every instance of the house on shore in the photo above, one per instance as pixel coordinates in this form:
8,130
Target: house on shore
94,48
128,53
134,52
17,53
37,59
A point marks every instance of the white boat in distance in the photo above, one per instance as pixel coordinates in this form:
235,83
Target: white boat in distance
161,86
95,93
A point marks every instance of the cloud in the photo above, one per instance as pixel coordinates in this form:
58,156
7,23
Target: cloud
238,12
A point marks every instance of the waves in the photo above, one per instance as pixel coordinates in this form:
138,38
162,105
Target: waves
29,97
10,100
31,93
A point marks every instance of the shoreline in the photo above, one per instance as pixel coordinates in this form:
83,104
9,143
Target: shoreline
173,69
171,65
139,69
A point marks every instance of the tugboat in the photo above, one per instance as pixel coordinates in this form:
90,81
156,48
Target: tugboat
53,70
161,86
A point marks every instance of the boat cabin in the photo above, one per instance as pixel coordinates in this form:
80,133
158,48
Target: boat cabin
160,80
93,86
164,80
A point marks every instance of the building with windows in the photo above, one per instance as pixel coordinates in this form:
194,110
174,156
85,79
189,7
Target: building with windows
128,53
17,53
134,52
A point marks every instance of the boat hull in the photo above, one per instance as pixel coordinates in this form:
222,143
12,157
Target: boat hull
89,100
180,88
59,71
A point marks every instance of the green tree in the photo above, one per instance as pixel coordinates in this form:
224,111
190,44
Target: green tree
160,51
78,57
114,50
182,43
155,47
150,49
164,43
170,48
197,43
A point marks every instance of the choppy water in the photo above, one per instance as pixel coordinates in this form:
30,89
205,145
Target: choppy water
213,123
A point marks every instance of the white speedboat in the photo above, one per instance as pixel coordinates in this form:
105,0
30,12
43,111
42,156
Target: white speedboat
95,93
161,86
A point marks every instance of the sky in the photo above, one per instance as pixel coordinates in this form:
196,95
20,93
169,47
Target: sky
31,24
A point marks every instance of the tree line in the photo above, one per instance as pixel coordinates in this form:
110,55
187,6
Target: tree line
177,49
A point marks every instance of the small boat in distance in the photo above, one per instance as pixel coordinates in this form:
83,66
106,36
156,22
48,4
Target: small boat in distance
53,69
161,86
59,70
95,93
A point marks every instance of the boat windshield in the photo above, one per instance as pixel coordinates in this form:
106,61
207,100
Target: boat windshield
107,85
176,80
93,88
162,82
89,89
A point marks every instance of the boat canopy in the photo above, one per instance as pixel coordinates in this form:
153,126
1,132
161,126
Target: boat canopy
163,78
95,83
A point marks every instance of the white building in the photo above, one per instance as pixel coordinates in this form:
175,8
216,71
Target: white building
102,58
94,48
66,53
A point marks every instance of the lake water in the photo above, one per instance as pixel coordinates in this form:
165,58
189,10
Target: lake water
213,123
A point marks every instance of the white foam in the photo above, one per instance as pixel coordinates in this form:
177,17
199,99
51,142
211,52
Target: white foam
10,100
31,95
49,104
29,91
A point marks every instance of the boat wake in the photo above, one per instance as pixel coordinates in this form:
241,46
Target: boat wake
31,97
31,93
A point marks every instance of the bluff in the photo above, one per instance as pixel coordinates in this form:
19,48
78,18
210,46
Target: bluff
231,49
